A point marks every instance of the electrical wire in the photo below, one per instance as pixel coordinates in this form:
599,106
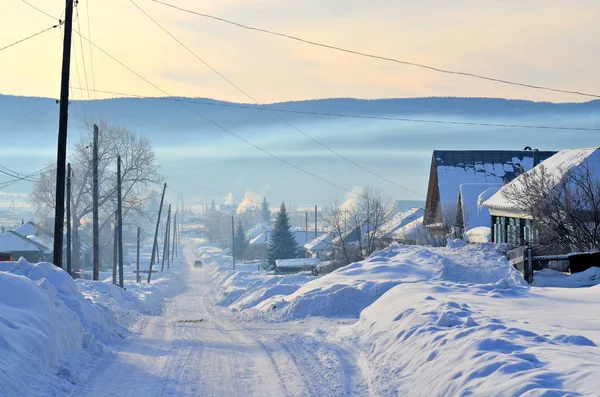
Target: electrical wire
380,57
42,11
31,37
83,60
87,12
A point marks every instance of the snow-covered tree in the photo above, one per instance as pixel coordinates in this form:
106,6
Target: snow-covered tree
282,242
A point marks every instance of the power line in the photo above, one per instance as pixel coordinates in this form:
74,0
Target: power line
356,116
87,12
217,124
338,154
83,59
380,57
32,36
43,12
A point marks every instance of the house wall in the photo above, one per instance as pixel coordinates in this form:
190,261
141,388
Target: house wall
514,231
30,256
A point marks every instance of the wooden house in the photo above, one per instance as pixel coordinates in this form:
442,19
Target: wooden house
451,168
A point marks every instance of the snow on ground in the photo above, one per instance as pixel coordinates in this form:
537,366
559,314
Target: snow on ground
52,328
454,320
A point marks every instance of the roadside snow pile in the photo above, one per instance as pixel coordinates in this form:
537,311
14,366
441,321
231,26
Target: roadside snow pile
554,278
44,325
440,339
348,290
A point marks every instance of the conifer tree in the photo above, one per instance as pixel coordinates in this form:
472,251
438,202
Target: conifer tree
241,243
266,212
282,242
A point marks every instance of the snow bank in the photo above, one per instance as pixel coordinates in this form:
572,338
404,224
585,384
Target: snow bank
53,327
348,290
439,339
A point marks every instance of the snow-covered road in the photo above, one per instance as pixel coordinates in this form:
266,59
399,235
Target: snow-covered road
198,349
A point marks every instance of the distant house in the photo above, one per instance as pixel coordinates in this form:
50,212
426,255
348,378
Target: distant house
412,233
302,238
510,224
451,168
385,234
321,246
470,214
296,265
20,246
259,245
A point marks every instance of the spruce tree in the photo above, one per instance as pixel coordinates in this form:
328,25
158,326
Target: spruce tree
266,212
241,243
282,242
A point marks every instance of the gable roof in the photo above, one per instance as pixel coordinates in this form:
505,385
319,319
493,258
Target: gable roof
555,167
11,241
321,243
451,168
398,221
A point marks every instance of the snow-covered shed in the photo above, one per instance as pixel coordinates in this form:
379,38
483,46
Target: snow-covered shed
512,225
20,246
296,265
451,168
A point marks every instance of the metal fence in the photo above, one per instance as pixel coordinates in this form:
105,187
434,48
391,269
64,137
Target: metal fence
550,261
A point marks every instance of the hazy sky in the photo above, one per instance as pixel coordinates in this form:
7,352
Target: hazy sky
546,42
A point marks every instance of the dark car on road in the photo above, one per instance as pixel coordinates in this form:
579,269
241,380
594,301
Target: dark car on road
198,263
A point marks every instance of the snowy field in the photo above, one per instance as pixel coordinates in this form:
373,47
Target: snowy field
408,321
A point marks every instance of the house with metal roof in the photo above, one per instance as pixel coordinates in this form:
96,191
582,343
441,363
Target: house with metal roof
20,246
451,168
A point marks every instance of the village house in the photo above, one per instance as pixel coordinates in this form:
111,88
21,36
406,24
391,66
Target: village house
288,266
321,246
18,246
451,168
385,235
510,224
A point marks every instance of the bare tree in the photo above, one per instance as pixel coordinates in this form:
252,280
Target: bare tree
139,176
358,225
564,206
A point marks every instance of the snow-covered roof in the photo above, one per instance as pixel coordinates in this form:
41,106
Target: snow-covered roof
473,214
409,231
298,262
48,243
260,239
302,237
555,167
11,241
455,167
321,243
398,221
257,230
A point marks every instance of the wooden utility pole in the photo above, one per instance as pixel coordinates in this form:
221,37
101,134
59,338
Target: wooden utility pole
315,221
69,267
138,278
115,249
95,227
120,221
61,156
306,231
166,241
232,242
156,233
174,249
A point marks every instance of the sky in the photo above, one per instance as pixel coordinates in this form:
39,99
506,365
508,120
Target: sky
545,42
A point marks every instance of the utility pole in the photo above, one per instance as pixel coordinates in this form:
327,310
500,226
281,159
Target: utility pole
95,230
166,241
61,156
115,249
232,242
69,267
315,221
138,278
306,231
174,250
120,221
156,234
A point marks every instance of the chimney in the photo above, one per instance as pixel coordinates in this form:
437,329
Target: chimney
536,157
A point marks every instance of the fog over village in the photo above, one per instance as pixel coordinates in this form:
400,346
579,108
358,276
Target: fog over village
299,198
